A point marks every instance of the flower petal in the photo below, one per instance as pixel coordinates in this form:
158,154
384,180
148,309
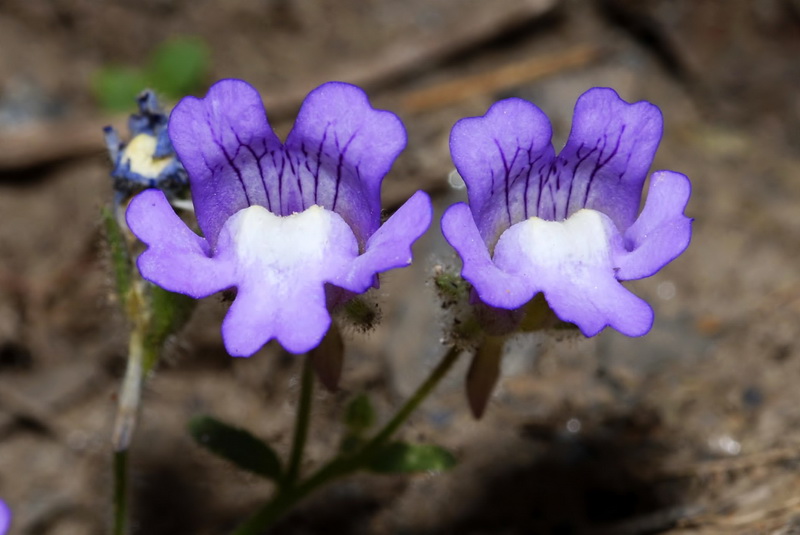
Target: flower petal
5,517
504,158
279,265
283,264
222,140
662,231
570,261
494,286
342,148
176,259
390,246
257,316
608,153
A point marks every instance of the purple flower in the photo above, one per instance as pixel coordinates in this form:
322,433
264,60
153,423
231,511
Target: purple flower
280,220
566,225
5,517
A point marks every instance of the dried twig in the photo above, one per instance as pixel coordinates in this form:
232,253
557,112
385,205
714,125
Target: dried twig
410,56
46,143
506,76
39,144
727,466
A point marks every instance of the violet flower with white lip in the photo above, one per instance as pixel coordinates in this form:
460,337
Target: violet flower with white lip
280,220
566,225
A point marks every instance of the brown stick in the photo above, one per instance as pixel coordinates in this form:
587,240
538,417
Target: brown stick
45,143
507,76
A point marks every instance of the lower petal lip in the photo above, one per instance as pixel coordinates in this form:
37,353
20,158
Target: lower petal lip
279,265
570,262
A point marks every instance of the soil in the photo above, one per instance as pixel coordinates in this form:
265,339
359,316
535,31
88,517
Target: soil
694,428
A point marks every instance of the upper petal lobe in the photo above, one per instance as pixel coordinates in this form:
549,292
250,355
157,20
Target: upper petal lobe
221,140
504,158
342,148
607,155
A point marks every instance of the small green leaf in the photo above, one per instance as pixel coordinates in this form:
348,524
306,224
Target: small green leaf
116,87
359,415
178,66
403,458
120,256
168,313
236,445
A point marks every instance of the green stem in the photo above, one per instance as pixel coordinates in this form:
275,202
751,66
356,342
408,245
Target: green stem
130,393
120,492
288,497
127,412
411,405
301,425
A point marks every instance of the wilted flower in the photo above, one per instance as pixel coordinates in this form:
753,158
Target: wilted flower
280,220
566,225
148,159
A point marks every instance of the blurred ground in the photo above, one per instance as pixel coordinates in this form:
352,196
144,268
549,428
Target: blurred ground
694,428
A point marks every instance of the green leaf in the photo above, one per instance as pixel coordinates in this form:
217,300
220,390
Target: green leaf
116,87
168,313
403,458
178,66
120,256
236,445
359,415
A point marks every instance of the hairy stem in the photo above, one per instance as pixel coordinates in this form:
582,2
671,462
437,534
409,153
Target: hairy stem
127,412
301,425
120,526
288,497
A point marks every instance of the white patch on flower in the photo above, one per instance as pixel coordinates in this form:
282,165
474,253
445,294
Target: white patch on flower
581,239
274,246
138,154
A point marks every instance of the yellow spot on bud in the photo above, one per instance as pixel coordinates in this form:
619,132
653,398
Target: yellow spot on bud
139,154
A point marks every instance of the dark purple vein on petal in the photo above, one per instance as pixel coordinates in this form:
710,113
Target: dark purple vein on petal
603,163
339,167
575,170
315,174
235,170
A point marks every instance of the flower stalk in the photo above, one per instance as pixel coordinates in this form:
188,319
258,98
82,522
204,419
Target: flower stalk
301,425
290,495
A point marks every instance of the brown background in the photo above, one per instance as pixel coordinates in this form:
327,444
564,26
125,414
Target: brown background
691,429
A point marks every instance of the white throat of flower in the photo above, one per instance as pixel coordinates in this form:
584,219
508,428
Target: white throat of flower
275,245
580,241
